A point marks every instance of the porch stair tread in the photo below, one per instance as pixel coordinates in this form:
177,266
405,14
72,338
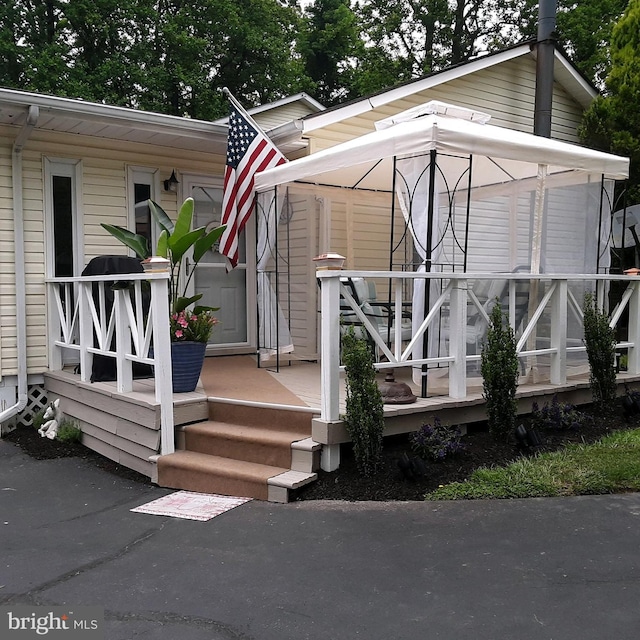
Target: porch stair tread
251,451
242,442
194,471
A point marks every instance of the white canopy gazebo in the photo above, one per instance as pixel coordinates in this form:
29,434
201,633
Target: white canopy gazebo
433,189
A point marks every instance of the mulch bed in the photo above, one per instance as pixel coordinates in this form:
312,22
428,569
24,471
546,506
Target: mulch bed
481,450
35,446
389,483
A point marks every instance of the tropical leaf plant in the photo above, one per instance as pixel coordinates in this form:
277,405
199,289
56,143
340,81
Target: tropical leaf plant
175,243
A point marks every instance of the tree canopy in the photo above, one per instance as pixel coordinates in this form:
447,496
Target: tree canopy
612,123
173,56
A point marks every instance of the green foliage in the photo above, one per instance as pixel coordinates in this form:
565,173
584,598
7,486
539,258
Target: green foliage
329,42
169,57
600,341
364,419
38,419
611,465
499,368
69,432
558,415
174,243
174,56
612,123
437,441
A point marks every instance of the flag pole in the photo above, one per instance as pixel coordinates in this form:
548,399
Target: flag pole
234,101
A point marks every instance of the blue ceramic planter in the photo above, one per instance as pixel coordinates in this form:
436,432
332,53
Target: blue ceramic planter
187,359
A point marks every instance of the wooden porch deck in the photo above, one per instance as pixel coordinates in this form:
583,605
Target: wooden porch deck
238,379
126,427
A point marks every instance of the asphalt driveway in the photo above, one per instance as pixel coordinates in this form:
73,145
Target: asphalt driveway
554,569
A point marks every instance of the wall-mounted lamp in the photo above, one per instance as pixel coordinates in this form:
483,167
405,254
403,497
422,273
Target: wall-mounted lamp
171,183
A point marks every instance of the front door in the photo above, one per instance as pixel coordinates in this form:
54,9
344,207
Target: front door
231,292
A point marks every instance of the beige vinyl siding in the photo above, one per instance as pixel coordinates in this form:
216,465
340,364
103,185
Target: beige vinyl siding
103,199
34,265
280,115
505,91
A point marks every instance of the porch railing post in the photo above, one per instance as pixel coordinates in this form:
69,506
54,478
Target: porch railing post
86,330
633,354
124,366
53,324
162,361
458,339
558,374
330,349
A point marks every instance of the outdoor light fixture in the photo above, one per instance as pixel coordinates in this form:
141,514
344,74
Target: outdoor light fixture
171,183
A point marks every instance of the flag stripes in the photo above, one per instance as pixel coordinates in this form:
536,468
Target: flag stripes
249,151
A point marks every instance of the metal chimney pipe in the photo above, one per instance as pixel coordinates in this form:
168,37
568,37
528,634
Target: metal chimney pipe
545,48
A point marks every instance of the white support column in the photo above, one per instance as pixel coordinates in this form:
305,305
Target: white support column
458,339
162,362
330,348
633,363
558,374
330,362
124,366
86,331
397,321
330,457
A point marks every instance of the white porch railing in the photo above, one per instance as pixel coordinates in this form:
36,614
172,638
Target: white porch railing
79,321
457,296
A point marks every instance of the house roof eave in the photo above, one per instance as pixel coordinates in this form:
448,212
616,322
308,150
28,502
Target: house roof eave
69,115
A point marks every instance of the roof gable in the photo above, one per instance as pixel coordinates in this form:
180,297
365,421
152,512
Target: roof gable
565,73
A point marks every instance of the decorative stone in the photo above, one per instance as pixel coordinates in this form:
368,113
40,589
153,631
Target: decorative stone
395,392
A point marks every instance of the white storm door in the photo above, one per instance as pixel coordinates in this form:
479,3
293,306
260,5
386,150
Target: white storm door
231,292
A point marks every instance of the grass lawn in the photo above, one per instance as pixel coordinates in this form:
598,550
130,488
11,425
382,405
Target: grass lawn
611,465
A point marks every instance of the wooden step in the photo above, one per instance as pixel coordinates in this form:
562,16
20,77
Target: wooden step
265,417
240,442
193,471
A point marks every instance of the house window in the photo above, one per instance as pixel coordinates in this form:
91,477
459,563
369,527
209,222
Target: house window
143,186
63,219
62,225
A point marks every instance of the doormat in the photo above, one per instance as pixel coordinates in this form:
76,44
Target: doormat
191,506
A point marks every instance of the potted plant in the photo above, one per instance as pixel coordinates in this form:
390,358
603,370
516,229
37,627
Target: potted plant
190,329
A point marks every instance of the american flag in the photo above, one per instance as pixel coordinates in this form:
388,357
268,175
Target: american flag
249,151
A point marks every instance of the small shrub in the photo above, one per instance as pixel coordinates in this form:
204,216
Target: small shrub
600,341
38,420
69,432
364,419
558,415
436,442
499,368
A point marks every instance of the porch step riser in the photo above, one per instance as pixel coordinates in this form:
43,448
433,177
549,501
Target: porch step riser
209,482
263,417
240,444
213,474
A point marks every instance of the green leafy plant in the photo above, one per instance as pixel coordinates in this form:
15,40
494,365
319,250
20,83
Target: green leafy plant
499,368
38,420
364,418
600,341
436,441
69,432
175,243
558,415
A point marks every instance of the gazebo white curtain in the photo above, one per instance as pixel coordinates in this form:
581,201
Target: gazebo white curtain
274,335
